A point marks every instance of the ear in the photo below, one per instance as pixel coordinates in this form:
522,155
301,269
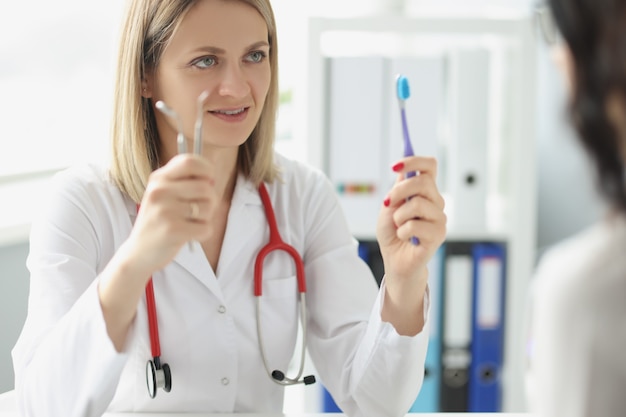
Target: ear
615,110
564,61
146,86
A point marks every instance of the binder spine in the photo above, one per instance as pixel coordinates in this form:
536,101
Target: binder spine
485,388
456,329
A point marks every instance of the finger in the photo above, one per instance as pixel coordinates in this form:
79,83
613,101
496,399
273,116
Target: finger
185,166
418,208
428,233
422,185
195,211
421,164
184,178
161,191
192,189
179,221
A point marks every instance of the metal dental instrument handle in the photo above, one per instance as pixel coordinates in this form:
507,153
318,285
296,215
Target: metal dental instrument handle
180,137
197,137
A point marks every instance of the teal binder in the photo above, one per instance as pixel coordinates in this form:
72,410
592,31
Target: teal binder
428,399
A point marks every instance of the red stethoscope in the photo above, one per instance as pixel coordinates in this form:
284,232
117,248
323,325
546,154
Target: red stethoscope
159,375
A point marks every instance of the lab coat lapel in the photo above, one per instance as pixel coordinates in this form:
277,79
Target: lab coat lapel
195,262
245,220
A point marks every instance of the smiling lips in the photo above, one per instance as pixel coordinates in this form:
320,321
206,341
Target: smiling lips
234,115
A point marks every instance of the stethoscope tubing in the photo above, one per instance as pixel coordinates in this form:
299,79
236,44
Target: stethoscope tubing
155,344
159,374
275,243
277,376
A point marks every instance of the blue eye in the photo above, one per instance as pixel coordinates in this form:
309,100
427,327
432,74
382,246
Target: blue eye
204,62
257,56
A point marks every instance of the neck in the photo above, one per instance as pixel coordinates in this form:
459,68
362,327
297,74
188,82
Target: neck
224,162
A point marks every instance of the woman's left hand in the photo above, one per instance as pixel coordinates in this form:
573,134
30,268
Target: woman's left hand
413,208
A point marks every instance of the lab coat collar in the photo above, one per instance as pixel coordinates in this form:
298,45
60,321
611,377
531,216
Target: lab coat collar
245,217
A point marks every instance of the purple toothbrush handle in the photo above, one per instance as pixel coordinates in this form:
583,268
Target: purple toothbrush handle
408,151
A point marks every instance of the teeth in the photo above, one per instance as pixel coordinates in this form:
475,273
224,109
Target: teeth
230,112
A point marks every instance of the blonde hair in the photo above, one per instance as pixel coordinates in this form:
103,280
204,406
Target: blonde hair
146,31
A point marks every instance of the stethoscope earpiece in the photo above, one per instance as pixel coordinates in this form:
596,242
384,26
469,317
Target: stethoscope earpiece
158,376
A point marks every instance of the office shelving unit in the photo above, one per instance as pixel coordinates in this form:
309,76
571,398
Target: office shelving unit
517,171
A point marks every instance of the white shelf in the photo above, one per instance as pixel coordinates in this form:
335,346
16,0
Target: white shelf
519,228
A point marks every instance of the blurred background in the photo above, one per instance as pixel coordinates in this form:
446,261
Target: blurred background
56,80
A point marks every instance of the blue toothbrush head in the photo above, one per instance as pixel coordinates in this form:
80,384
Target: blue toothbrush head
402,87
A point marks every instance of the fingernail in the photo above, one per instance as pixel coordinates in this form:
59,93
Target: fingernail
387,202
398,167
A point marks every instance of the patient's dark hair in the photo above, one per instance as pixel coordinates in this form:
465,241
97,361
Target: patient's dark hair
595,32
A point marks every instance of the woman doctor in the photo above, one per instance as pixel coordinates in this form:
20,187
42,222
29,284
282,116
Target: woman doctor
195,225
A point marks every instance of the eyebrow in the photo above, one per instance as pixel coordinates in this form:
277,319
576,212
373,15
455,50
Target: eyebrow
217,51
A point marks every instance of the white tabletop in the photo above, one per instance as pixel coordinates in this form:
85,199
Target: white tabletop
15,414
8,409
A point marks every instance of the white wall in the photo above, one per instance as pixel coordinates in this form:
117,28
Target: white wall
56,61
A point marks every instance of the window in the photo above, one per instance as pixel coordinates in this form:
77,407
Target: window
56,80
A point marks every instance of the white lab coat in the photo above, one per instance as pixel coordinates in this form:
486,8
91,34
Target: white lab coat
66,365
577,326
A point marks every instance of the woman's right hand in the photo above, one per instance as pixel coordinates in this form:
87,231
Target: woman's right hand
163,225
176,208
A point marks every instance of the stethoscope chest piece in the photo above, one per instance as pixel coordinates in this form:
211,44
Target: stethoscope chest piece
158,376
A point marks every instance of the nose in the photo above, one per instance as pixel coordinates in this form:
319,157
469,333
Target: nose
234,82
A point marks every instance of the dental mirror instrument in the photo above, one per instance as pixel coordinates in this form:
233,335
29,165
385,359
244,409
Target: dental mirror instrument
180,138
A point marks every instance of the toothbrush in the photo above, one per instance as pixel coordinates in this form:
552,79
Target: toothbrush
403,92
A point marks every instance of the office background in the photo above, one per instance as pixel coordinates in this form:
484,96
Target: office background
55,57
